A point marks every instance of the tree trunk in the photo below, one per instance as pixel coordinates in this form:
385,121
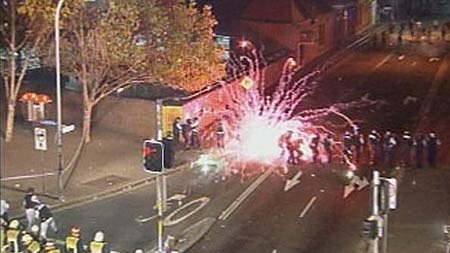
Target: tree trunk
87,121
10,120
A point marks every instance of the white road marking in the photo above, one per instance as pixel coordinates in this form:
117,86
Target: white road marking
308,206
233,206
168,220
293,182
143,220
383,61
27,176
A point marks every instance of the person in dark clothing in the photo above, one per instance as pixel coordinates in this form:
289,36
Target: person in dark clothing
30,202
186,131
406,145
419,144
389,143
47,220
327,143
432,142
347,151
314,145
176,130
220,134
374,150
195,140
169,153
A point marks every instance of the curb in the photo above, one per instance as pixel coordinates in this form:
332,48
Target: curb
104,194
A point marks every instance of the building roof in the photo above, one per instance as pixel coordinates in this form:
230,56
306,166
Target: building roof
282,11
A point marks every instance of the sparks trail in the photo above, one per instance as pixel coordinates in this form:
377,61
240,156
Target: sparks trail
256,119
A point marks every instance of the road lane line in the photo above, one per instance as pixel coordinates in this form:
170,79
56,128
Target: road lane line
225,214
383,61
308,206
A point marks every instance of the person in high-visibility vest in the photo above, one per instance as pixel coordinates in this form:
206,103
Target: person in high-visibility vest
13,236
73,241
50,247
30,244
98,245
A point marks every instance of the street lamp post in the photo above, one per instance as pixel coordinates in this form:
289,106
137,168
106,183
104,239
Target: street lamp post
58,104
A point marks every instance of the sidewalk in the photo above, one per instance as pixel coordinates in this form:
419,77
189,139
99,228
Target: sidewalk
110,164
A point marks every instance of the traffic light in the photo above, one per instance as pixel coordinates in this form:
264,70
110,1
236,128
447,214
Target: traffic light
370,227
152,153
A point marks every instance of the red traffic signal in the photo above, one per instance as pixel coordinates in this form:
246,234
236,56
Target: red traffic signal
153,158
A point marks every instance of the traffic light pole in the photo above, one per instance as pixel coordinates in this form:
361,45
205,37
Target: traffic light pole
375,208
160,213
160,137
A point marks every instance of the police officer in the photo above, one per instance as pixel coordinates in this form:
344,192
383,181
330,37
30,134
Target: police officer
73,241
98,245
220,134
176,130
389,143
14,236
327,142
47,220
195,141
4,213
419,144
314,145
406,145
30,202
348,139
186,132
30,244
432,142
374,147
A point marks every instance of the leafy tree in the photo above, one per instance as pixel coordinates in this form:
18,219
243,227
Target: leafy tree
112,45
23,29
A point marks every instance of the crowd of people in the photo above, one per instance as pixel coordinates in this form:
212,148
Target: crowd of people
32,236
415,30
385,149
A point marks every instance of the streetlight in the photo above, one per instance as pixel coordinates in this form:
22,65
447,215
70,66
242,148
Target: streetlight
58,103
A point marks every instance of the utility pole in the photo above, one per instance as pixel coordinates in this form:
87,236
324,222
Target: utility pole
159,104
375,208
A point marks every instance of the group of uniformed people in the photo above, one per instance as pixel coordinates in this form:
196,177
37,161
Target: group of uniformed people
16,239
389,149
189,131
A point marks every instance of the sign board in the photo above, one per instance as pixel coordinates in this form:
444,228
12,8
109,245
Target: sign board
247,82
40,138
67,128
392,189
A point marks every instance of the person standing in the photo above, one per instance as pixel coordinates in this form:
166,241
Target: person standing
327,143
186,131
176,130
374,146
195,125
73,241
47,220
432,142
347,142
389,143
30,202
406,145
98,245
4,213
14,236
419,143
314,145
220,134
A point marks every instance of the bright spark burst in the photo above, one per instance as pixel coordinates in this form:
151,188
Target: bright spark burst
256,121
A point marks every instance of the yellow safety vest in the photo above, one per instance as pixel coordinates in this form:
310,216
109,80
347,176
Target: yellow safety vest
34,247
12,235
71,244
96,247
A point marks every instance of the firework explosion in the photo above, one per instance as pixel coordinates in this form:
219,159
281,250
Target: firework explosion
255,121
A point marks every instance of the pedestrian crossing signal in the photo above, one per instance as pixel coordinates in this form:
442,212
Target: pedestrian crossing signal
152,153
370,228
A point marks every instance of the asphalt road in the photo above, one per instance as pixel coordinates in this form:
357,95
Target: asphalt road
312,216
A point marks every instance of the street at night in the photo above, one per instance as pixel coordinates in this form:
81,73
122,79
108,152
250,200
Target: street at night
306,126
